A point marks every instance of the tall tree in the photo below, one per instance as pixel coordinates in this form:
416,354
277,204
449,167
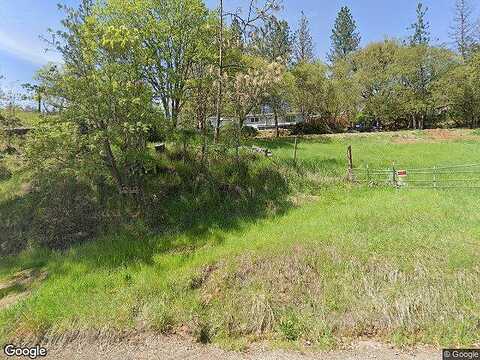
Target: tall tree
273,40
241,28
462,30
311,91
303,43
345,37
421,27
175,34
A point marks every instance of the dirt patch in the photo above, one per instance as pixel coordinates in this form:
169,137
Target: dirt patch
19,286
152,347
433,136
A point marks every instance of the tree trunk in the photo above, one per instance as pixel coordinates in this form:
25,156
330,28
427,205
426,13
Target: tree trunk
220,75
112,164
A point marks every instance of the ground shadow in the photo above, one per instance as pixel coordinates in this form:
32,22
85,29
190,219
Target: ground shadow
182,219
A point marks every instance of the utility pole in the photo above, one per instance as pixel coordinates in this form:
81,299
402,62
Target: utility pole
220,78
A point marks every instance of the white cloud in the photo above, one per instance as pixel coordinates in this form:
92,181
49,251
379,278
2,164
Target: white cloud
32,53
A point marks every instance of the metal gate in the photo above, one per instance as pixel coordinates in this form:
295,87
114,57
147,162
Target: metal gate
458,176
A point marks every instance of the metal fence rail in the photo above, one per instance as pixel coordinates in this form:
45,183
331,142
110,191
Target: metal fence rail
456,176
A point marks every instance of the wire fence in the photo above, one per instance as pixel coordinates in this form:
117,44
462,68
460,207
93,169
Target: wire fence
441,177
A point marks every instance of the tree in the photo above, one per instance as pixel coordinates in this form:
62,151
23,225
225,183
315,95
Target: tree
241,29
273,41
106,100
421,28
418,69
277,95
247,89
67,40
311,91
374,75
47,81
36,91
459,91
8,119
345,37
303,42
174,35
462,31
346,88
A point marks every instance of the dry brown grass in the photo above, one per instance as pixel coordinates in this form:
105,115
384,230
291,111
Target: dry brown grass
322,295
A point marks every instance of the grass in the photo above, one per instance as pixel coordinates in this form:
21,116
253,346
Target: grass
27,118
350,262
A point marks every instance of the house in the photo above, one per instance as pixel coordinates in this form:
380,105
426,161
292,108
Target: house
264,121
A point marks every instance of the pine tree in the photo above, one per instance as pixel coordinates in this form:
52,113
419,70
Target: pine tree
462,32
345,37
303,43
273,41
421,28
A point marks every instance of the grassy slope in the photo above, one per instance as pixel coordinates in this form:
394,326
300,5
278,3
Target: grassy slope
400,265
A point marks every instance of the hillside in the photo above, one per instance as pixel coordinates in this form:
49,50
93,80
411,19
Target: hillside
335,263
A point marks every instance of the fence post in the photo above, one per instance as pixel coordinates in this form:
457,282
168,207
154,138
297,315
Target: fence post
394,173
368,176
435,177
350,163
295,150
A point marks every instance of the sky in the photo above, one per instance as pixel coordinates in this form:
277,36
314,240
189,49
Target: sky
22,22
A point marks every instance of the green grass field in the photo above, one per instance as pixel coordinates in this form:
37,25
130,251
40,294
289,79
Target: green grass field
345,262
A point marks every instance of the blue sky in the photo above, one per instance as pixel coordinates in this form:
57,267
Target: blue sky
23,21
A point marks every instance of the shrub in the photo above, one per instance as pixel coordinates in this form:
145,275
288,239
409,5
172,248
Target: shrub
249,132
310,129
5,174
66,212
15,225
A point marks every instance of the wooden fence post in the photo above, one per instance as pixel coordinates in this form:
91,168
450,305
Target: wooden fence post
435,177
350,163
295,150
394,174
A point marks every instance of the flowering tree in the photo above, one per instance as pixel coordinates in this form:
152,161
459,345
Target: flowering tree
247,89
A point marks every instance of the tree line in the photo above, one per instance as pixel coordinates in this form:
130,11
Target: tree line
197,64
150,71
136,71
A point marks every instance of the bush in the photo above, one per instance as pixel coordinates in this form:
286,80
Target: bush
66,212
15,225
310,129
249,132
5,174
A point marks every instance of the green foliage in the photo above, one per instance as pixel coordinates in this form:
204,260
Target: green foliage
393,84
461,90
273,41
175,35
249,132
66,212
345,37
5,173
421,28
316,272
303,48
313,127
311,92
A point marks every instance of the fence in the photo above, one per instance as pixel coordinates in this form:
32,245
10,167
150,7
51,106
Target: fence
441,177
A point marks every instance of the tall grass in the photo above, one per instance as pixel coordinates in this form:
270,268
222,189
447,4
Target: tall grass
399,265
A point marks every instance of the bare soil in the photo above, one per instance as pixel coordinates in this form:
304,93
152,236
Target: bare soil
153,347
19,286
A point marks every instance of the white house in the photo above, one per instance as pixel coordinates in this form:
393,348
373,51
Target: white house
264,121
